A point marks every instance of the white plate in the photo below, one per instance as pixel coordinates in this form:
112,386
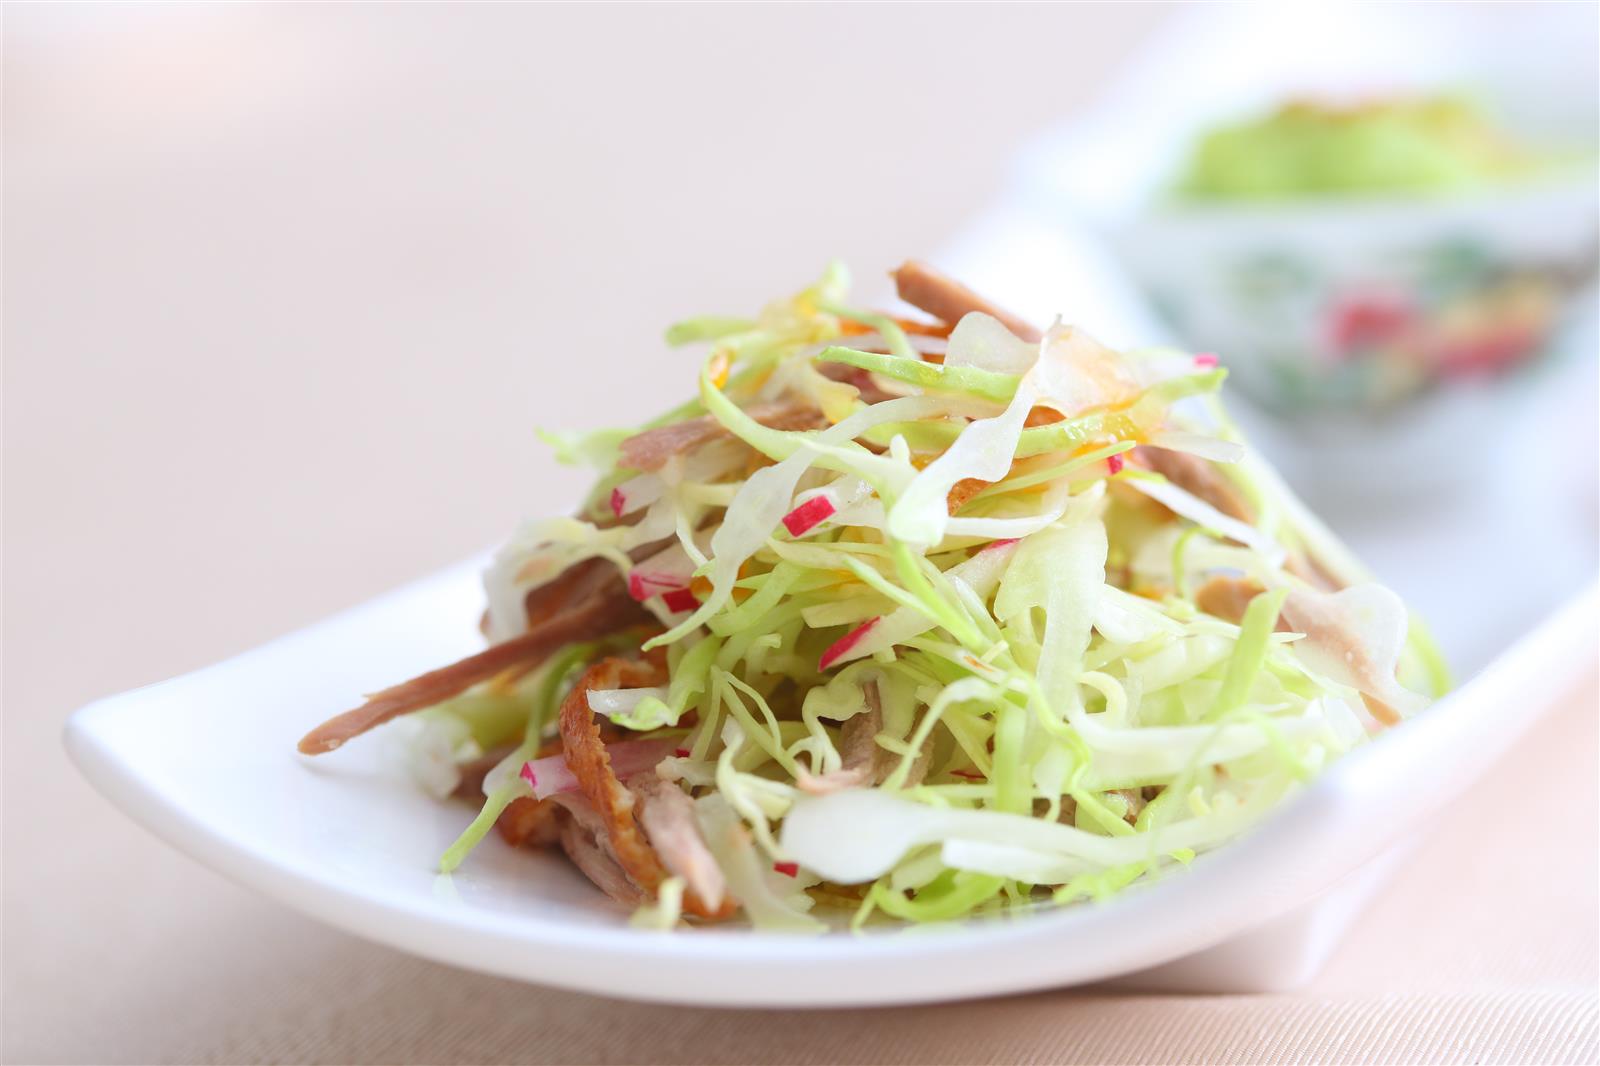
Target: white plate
207,762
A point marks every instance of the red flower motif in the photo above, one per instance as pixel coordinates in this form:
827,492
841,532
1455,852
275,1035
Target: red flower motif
1368,320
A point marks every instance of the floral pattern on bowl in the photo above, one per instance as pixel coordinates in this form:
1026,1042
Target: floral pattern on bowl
1354,306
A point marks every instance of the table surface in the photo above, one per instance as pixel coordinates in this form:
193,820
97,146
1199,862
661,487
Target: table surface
287,290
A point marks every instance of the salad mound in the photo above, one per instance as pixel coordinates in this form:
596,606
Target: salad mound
917,617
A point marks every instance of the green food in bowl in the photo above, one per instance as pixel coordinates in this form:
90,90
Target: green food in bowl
1422,145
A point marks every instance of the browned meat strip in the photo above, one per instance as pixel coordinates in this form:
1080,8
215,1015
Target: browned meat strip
586,583
589,762
1198,477
586,757
858,751
1311,569
578,581
431,688
858,745
1227,598
651,449
584,843
948,300
605,608
1134,798
667,814
829,783
862,380
963,492
919,765
1380,710
1305,612
536,823
862,760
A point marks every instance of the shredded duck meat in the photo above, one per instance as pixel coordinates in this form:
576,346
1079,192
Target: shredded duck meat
1134,798
858,751
862,760
604,608
1308,567
962,493
1198,477
1227,597
1308,613
432,687
923,287
587,759
531,822
583,581
650,450
585,586
582,837
860,380
946,299
667,814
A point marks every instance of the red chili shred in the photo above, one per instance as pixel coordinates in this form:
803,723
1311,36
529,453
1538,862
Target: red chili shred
1114,464
679,600
788,869
839,647
804,518
618,502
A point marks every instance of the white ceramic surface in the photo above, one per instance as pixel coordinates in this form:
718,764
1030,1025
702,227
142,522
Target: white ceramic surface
207,761
1356,321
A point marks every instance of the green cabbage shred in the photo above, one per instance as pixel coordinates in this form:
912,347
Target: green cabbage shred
989,723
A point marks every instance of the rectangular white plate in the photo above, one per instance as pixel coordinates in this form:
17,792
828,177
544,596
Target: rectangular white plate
207,762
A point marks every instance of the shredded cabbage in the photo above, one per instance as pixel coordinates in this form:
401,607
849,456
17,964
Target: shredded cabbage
998,661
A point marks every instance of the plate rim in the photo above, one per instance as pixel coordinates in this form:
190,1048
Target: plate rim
1288,859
